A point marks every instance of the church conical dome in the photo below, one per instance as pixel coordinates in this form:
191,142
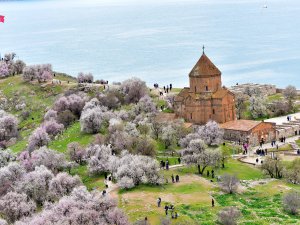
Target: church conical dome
204,67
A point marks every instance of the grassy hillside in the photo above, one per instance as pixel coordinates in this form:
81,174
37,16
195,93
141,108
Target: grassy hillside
258,200
38,98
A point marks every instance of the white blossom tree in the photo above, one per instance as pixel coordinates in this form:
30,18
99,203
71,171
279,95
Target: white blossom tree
145,105
197,154
99,158
77,153
74,103
257,107
211,133
52,128
37,139
9,175
229,183
18,66
93,119
291,202
229,216
131,169
35,184
80,208
85,78
49,158
14,206
50,115
6,156
168,135
4,70
8,126
63,184
121,140
133,89
42,73
290,94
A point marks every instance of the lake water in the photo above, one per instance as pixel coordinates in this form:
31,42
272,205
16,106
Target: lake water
158,40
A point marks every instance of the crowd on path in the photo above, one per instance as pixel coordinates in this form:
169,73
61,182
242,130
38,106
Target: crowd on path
164,90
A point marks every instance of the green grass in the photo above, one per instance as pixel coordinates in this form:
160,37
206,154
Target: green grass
37,98
285,147
241,170
71,134
172,160
274,97
144,202
176,90
91,182
260,205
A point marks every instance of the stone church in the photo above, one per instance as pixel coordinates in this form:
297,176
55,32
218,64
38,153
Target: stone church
205,99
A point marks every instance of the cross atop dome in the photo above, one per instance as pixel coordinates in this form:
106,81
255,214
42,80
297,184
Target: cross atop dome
204,67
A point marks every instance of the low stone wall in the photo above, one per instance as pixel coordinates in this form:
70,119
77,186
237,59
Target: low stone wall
288,129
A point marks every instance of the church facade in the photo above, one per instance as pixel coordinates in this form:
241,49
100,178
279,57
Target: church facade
205,99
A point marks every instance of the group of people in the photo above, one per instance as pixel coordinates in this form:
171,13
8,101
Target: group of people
282,139
175,179
166,88
174,214
257,160
262,152
164,165
212,174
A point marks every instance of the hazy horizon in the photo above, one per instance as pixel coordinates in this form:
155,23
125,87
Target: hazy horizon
157,41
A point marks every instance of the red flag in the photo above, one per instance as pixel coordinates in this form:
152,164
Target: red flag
2,19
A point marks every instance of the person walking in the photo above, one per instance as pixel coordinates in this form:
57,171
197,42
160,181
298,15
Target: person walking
166,209
161,164
179,160
207,173
173,180
177,178
212,174
158,202
212,202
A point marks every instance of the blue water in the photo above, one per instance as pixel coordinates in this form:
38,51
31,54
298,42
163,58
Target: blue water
158,40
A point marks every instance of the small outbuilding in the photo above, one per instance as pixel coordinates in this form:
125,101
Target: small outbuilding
249,131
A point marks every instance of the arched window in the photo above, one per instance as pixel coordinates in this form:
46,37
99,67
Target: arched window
195,89
206,88
191,116
213,111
